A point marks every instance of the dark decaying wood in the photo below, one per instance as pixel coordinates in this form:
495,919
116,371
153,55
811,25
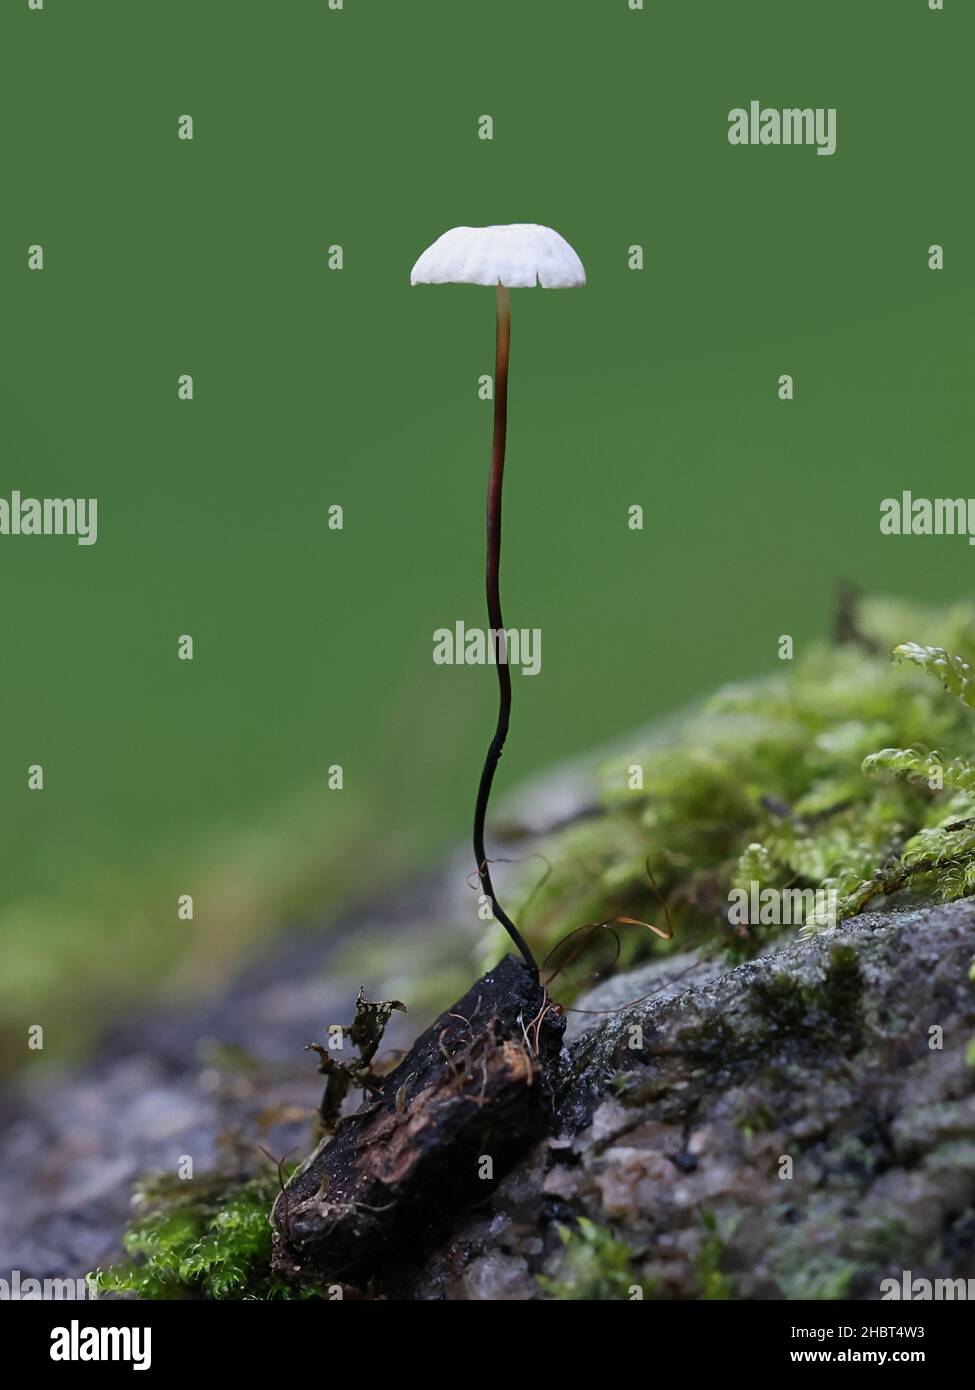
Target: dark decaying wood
469,1099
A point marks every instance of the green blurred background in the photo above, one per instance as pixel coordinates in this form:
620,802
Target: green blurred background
315,387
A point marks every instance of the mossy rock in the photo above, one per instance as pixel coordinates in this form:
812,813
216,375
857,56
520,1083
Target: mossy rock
759,1111
801,1126
845,779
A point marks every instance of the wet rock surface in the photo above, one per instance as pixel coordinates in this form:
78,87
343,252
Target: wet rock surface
786,1129
214,1083
799,1127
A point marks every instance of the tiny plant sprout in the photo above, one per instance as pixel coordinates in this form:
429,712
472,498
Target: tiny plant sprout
519,256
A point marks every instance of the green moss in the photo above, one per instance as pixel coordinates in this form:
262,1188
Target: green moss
843,985
758,1120
817,778
827,1285
782,1004
209,1237
713,1281
825,1012
595,1265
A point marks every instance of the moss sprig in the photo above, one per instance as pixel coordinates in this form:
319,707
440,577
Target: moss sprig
207,1238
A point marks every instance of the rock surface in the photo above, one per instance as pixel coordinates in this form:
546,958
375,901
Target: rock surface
799,1127
786,1129
213,1082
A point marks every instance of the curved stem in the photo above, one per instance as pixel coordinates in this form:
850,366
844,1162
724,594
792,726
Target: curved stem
496,621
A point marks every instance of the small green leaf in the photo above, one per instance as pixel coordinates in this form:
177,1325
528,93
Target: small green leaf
953,673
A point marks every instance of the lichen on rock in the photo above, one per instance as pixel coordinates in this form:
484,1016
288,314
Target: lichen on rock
786,1129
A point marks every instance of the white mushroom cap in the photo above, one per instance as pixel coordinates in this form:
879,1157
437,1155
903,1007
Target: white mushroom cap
519,255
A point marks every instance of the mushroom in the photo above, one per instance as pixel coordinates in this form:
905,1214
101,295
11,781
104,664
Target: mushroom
508,257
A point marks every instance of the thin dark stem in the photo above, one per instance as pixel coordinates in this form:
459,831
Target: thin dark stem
496,622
